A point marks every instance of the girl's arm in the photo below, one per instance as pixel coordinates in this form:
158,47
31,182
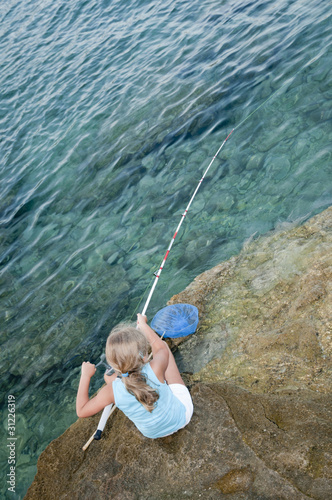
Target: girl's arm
86,407
160,351
154,339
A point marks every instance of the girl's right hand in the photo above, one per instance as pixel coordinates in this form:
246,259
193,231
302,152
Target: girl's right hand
141,320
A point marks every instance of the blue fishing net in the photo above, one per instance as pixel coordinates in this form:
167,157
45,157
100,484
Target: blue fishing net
175,321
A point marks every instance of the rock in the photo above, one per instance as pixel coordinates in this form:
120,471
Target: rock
254,162
274,302
259,371
235,481
113,258
237,443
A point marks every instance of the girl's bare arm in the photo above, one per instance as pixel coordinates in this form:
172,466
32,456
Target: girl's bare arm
86,407
154,339
160,351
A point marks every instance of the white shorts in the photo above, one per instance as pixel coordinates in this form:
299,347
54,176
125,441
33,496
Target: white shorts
181,392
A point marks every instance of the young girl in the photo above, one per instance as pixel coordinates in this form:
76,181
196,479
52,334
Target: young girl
153,395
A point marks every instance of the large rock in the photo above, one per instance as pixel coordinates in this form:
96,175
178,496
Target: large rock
261,389
266,313
238,445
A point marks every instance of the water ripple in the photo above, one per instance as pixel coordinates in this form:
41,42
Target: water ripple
109,112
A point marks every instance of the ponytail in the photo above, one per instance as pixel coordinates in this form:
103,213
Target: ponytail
126,348
136,385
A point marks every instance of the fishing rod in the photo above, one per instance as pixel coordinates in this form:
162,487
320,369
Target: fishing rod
158,273
110,408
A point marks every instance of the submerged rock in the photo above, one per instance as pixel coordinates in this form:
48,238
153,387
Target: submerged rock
261,386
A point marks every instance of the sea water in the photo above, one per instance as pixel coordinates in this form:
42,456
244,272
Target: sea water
110,112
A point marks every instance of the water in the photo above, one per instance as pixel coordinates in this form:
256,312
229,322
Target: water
109,113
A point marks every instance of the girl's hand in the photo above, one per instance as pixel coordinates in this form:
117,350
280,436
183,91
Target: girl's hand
141,320
88,369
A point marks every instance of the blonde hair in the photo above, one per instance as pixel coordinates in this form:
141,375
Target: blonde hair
126,348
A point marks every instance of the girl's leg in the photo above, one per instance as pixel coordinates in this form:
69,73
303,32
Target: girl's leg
172,374
178,387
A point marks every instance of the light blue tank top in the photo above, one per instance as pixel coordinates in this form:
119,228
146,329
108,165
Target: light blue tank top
167,417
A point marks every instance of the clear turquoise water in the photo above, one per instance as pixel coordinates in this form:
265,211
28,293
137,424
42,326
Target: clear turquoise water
109,113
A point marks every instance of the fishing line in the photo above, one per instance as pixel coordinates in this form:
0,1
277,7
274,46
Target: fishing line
142,296
275,92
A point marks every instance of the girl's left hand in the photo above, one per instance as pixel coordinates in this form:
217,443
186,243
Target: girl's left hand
88,369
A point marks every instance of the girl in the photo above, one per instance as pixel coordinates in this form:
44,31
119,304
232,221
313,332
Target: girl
153,395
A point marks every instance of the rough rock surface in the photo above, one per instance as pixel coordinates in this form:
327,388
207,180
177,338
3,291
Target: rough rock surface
262,426
266,314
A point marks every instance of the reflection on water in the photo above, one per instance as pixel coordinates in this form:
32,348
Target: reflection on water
109,115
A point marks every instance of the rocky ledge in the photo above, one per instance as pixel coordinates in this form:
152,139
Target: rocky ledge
261,390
